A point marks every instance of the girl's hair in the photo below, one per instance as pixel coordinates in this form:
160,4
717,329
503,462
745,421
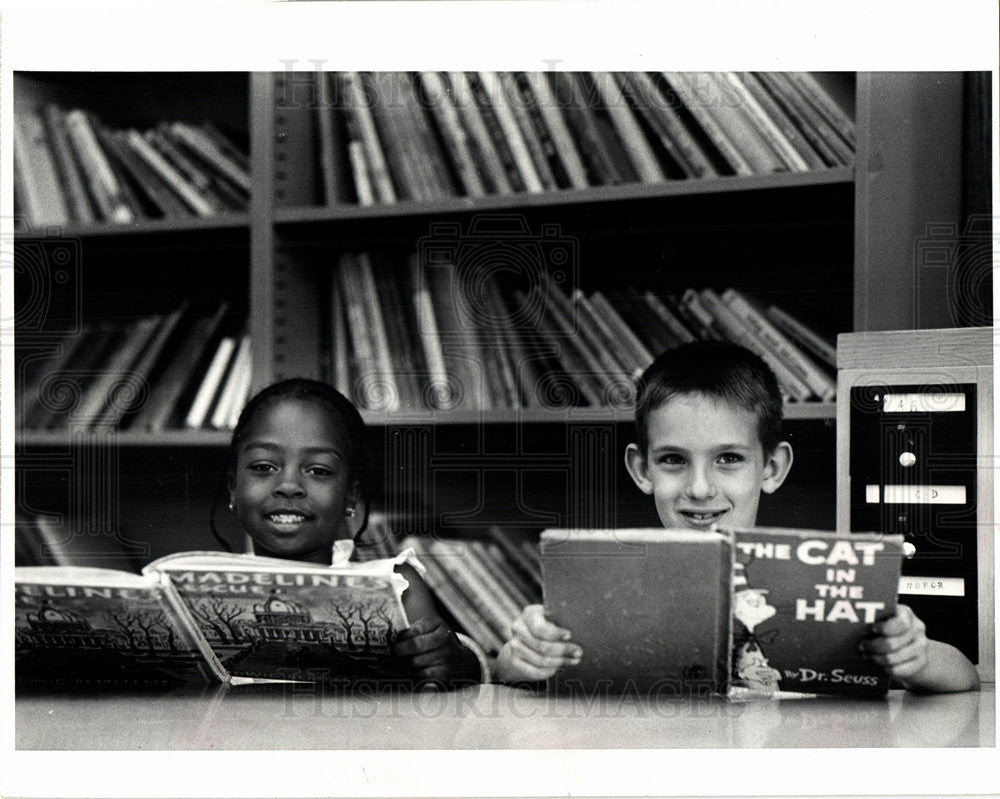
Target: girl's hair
333,402
723,371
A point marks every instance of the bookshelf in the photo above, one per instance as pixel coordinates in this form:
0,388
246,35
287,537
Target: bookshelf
825,244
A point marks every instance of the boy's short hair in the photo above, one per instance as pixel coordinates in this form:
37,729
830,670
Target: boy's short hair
723,371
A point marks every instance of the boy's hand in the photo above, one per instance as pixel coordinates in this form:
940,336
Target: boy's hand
537,650
436,654
899,645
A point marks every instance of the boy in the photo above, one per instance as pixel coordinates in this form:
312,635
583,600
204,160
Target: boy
708,428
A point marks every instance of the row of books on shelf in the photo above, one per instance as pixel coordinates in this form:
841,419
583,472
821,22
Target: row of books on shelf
185,369
427,338
391,136
69,167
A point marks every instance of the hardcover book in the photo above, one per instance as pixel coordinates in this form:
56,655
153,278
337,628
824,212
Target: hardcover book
208,616
630,601
754,612
803,601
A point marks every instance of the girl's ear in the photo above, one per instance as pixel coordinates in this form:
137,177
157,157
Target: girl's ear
231,486
776,467
355,509
635,462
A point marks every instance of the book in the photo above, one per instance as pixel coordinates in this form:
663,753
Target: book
780,118
641,357
70,176
630,602
639,152
562,140
408,367
803,601
760,612
537,140
422,143
205,148
682,85
35,165
102,184
496,133
816,344
608,140
383,390
194,199
514,547
326,140
78,626
681,332
821,384
800,113
454,134
268,618
158,194
493,89
484,150
821,100
357,108
232,394
440,391
208,389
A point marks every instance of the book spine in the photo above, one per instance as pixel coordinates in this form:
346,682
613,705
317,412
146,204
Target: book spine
78,204
642,356
818,346
780,118
340,345
362,349
181,614
358,159
358,107
648,327
487,579
496,134
526,374
462,609
42,164
27,189
674,136
494,563
570,362
784,93
721,103
489,159
826,105
209,386
100,178
528,588
428,154
692,303
230,390
517,554
158,194
453,132
602,332
327,142
455,566
531,135
778,343
439,391
774,135
405,362
123,176
205,148
241,392
676,327
681,83
639,153
377,329
737,332
511,133
195,201
562,139
843,151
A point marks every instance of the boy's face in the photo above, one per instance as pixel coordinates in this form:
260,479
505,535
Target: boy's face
705,463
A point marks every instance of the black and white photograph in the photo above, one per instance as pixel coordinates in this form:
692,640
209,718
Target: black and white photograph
517,398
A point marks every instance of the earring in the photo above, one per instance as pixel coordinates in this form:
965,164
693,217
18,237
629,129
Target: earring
349,512
231,504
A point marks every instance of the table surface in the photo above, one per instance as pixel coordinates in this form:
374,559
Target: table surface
488,717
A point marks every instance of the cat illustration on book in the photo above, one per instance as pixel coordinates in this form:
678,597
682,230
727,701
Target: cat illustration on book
750,608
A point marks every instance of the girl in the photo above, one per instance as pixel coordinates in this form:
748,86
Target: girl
297,485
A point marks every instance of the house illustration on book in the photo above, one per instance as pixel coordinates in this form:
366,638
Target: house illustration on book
55,627
280,619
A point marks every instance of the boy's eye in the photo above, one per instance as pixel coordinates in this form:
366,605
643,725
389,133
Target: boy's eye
672,459
730,458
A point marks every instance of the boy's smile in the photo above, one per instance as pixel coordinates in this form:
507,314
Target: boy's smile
705,463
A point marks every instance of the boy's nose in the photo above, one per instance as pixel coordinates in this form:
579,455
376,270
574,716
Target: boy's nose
700,484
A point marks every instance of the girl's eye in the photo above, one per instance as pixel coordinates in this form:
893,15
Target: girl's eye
261,467
320,471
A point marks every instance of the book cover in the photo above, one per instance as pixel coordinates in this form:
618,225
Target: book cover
267,618
86,626
802,603
629,600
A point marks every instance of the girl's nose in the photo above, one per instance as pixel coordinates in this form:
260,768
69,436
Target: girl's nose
289,484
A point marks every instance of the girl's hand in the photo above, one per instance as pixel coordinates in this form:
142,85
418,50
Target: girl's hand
537,650
436,654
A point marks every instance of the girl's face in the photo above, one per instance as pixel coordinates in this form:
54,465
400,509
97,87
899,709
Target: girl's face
291,487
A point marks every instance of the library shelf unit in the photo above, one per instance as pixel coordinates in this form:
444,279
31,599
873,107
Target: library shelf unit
830,246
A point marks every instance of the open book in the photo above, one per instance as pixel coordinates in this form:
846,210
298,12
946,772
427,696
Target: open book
208,616
745,612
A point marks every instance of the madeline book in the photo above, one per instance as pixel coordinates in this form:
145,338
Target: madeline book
208,616
760,612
